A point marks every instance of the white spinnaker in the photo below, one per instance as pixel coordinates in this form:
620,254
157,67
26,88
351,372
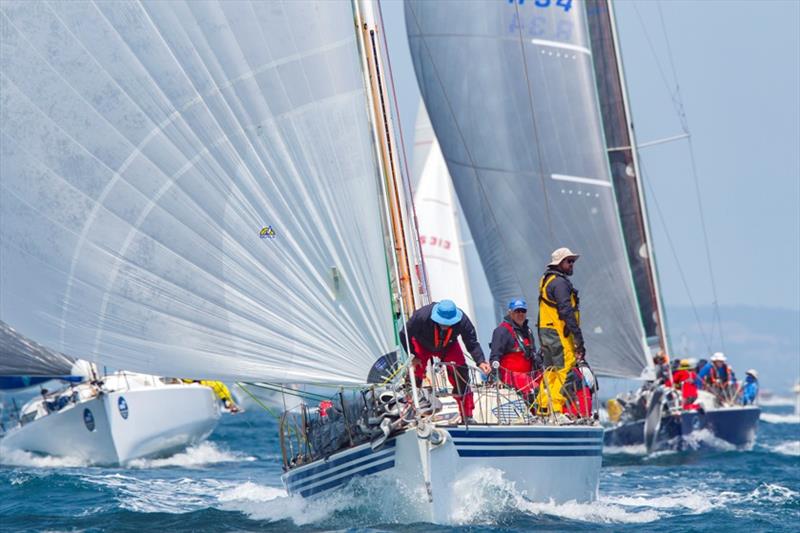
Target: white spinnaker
144,147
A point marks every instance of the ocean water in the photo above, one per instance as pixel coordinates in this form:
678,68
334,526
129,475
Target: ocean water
232,483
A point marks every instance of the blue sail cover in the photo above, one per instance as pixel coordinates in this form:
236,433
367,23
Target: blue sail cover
510,91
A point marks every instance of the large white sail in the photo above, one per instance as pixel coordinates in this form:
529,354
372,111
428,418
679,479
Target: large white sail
510,91
20,356
437,220
191,188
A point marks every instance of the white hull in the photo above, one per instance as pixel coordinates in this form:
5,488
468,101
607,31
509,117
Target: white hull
160,421
558,463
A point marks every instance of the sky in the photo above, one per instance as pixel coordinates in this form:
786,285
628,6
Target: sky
738,69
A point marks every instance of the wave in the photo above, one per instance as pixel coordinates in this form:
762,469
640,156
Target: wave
791,448
775,418
776,401
16,457
203,454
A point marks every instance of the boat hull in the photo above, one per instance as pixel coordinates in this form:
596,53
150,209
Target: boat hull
737,426
156,422
544,463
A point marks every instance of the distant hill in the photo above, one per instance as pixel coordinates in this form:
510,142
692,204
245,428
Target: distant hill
766,339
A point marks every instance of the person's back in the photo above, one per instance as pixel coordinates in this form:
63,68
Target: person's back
750,387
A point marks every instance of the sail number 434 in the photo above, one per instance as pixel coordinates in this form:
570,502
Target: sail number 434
564,4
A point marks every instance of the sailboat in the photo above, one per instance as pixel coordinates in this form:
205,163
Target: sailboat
663,422
211,189
109,419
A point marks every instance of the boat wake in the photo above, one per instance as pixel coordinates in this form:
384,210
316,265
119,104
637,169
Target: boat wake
776,401
15,457
204,454
776,418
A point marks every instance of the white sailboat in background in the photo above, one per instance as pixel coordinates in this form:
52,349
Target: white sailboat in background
101,419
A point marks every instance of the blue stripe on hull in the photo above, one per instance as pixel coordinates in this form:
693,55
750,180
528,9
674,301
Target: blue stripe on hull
327,465
478,434
529,453
293,484
339,482
487,442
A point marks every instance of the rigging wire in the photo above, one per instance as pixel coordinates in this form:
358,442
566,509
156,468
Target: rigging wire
677,102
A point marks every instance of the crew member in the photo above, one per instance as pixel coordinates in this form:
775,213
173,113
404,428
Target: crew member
684,379
750,388
663,375
717,373
513,348
559,328
433,330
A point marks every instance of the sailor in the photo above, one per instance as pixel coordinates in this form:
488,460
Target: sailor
220,390
684,379
717,373
433,330
514,350
559,328
750,387
663,375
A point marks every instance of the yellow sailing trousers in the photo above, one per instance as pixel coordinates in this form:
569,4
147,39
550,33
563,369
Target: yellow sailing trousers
558,354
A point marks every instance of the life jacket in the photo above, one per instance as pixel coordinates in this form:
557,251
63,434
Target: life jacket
714,377
548,310
522,345
686,380
437,337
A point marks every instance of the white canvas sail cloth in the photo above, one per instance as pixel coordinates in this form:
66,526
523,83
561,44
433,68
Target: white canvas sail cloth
437,221
510,92
20,356
190,188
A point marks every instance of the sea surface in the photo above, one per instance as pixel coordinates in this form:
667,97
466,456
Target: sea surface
232,483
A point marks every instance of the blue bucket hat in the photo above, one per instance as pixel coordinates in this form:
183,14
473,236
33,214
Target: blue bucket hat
446,313
517,303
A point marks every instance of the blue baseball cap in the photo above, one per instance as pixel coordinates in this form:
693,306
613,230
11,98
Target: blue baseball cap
517,303
446,313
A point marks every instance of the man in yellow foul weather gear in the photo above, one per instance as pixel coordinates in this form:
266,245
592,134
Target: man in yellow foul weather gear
559,329
221,390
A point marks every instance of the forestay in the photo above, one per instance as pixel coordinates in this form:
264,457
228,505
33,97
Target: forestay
191,188
511,95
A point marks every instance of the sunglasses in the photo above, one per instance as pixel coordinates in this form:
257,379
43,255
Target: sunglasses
519,311
570,261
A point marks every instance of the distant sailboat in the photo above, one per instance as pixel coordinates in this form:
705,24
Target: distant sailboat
664,423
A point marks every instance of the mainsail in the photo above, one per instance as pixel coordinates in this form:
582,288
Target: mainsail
625,170
510,91
191,188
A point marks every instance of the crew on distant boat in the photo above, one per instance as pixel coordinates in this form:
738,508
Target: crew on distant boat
433,331
663,374
684,379
750,387
513,348
559,328
716,374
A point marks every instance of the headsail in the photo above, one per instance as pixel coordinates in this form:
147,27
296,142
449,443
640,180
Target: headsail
625,170
510,91
191,188
20,356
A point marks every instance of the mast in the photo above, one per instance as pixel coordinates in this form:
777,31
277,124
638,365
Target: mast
402,234
626,174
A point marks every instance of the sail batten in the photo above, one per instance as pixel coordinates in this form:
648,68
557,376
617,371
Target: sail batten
180,183
513,113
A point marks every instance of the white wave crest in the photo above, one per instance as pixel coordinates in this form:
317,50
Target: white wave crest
706,439
204,454
776,401
633,449
776,418
791,448
16,457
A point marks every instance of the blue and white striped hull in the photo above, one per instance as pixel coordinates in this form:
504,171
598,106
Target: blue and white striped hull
544,463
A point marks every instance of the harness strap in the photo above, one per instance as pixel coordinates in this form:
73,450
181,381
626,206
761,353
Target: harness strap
446,338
